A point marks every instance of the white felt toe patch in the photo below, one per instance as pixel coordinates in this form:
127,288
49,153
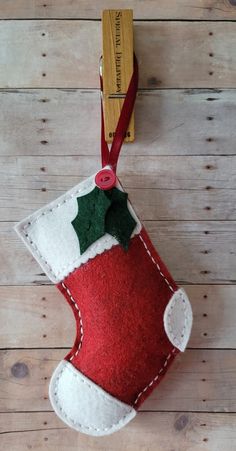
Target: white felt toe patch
85,406
178,319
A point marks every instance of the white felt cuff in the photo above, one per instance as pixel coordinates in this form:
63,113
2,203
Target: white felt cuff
178,319
85,406
51,238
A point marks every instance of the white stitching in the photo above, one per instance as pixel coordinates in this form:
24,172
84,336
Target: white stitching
34,246
81,328
64,201
55,392
173,336
107,245
80,321
86,183
155,263
155,378
83,380
173,350
56,275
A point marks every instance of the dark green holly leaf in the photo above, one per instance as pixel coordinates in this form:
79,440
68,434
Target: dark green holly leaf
119,222
89,224
101,212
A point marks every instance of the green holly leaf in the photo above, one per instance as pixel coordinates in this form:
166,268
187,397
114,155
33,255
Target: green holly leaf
89,224
101,212
119,222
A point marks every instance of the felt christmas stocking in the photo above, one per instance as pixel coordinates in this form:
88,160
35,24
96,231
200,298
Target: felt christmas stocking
131,317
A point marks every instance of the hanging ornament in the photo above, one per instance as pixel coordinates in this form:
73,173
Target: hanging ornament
131,317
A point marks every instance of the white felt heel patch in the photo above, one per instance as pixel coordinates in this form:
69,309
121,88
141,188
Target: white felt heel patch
85,406
178,319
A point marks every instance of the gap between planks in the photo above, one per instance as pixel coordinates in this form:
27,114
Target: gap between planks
24,37
45,320
90,10
194,381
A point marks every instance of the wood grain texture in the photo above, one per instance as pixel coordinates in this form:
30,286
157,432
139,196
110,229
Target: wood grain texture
181,177
39,316
168,188
168,122
72,58
204,249
151,204
194,383
88,9
161,172
150,431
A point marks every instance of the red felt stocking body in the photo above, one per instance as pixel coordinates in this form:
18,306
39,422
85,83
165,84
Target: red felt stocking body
119,300
131,318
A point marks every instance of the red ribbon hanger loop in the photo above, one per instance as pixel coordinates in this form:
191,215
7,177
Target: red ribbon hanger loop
110,157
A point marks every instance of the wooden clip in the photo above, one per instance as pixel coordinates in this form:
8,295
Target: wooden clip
117,67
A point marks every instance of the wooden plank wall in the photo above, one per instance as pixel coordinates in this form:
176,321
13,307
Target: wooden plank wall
181,176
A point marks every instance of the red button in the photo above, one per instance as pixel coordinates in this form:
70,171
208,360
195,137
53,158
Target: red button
105,179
